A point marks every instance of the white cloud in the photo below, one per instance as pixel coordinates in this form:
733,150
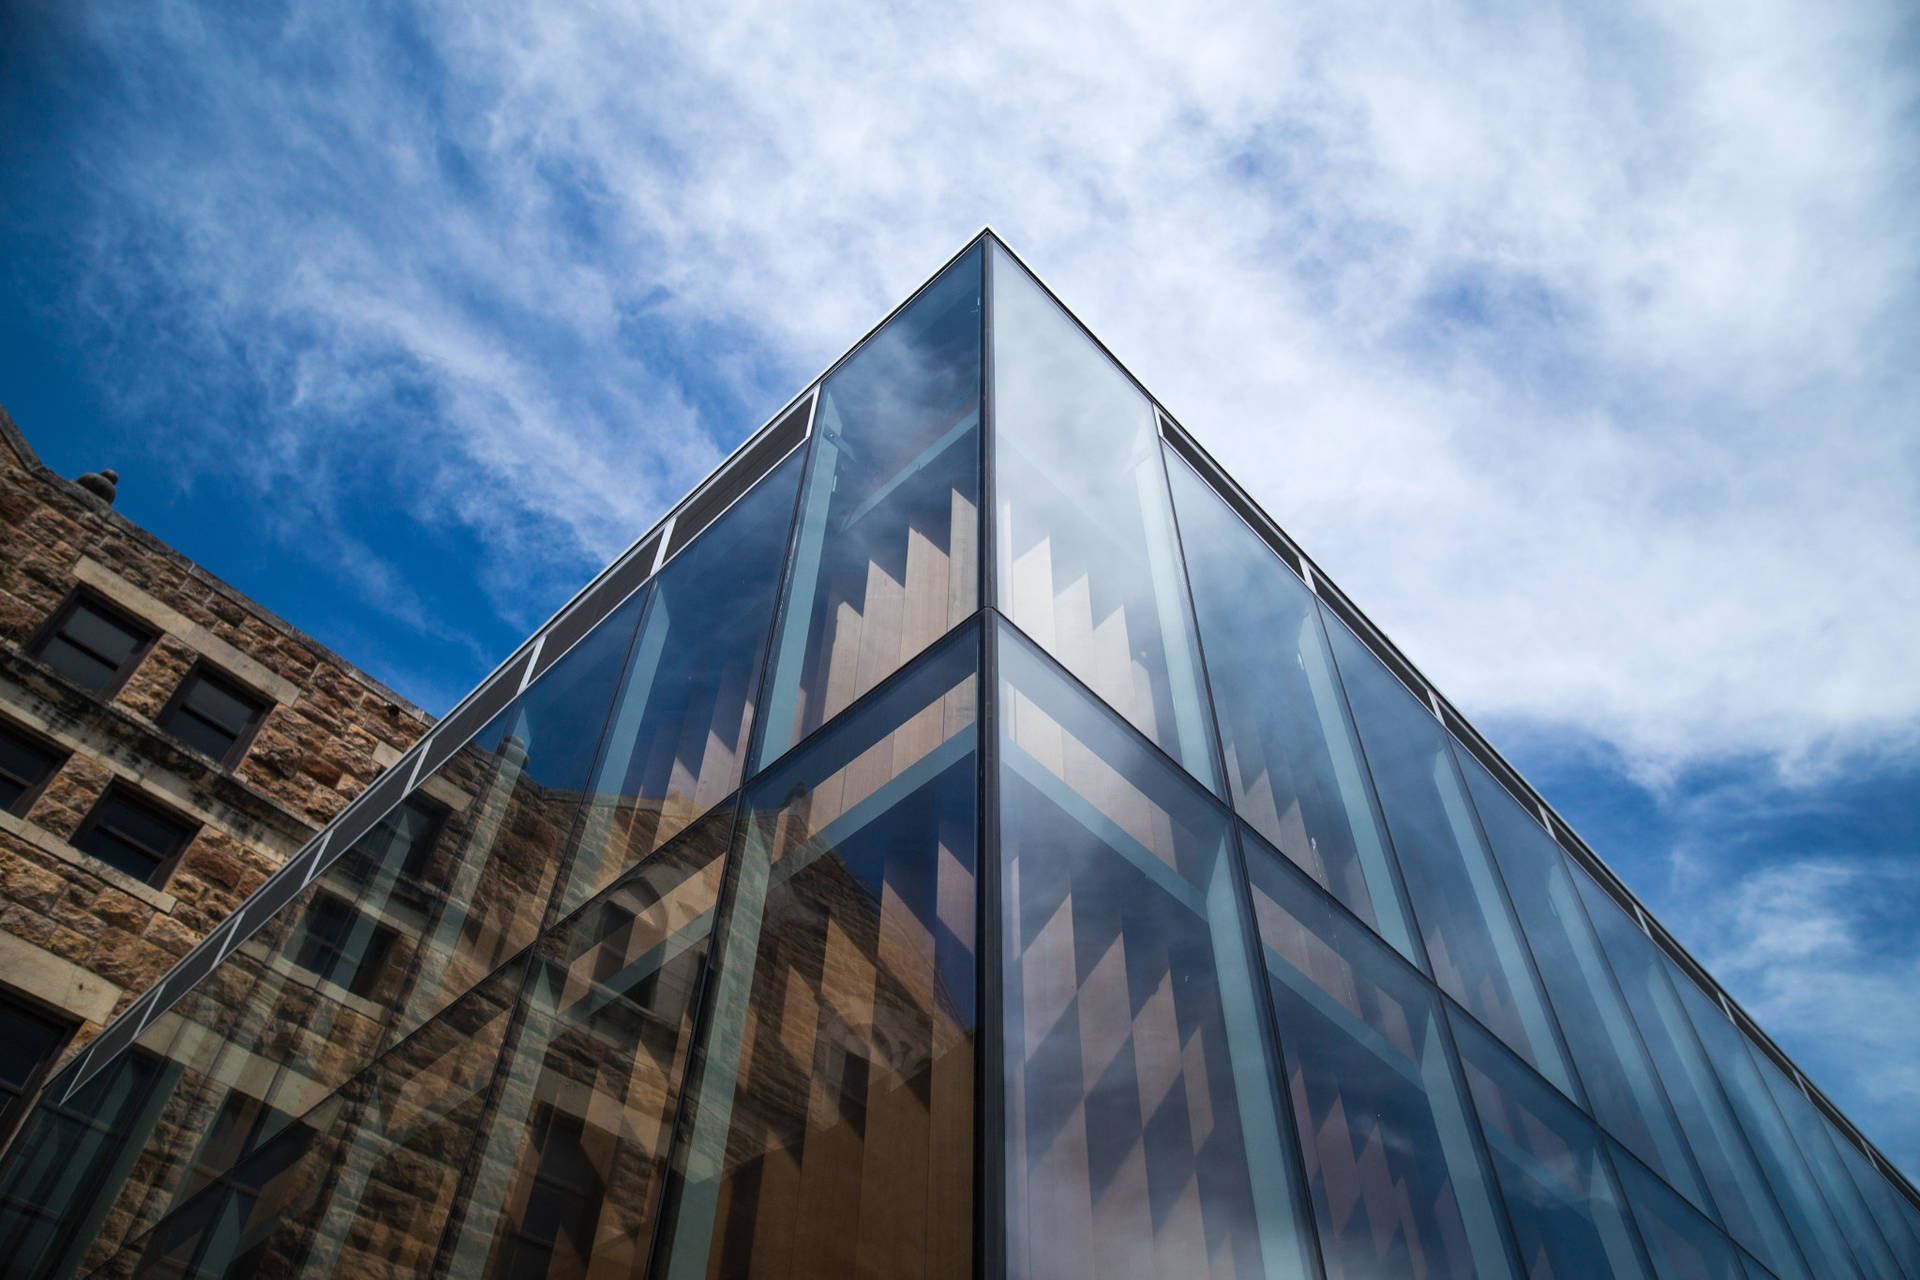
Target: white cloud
1572,342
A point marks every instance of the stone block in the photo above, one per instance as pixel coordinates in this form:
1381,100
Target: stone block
33,887
115,907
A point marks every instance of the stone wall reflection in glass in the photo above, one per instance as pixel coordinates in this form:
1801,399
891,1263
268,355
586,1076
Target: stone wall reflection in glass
978,847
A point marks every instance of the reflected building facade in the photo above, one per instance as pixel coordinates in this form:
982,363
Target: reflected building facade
965,837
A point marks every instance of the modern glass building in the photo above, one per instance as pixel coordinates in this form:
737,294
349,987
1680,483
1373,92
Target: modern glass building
967,836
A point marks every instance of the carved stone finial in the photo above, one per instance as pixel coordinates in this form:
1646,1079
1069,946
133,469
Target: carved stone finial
102,484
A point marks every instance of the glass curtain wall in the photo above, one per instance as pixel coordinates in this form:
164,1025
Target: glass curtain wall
807,917
1293,762
1087,562
1141,1131
831,1130
886,552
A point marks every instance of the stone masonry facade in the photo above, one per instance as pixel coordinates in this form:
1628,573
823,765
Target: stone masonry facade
81,939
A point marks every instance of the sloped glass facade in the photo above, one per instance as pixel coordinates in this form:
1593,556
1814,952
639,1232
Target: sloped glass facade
967,837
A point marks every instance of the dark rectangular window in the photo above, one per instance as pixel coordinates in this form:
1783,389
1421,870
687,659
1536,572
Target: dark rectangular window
29,1042
133,835
26,764
92,643
211,713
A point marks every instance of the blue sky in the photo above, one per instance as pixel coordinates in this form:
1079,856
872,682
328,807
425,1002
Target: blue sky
1575,342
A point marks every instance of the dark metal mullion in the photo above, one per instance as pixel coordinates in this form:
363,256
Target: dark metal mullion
990,1158
989,1092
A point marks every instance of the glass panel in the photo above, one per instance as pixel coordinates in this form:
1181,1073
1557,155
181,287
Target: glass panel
1726,1161
1890,1209
1465,922
1566,1215
486,901
301,1006
90,648
573,1157
1682,1244
679,732
1292,760
1606,1050
1398,1181
364,1183
58,1202
832,1128
886,554
130,836
1794,1187
1809,1130
1142,1135
1088,565
24,765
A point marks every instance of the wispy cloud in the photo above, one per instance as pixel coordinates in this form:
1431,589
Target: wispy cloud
1572,340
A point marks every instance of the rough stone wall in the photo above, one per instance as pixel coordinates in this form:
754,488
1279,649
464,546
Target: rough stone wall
75,934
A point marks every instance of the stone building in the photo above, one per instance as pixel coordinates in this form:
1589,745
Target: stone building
165,743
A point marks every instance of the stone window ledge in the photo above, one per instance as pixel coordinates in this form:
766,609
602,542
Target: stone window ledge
47,842
196,637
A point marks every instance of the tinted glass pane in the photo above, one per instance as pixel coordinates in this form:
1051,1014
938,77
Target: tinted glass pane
89,647
1746,1205
131,837
1567,1217
301,1005
1462,911
572,1158
1890,1209
27,1038
103,636
886,554
1087,560
1607,1053
211,700
1794,1186
1810,1134
677,740
67,1161
1394,1164
832,1128
363,1184
1292,760
1682,1244
24,765
486,901
201,735
1141,1131
77,664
